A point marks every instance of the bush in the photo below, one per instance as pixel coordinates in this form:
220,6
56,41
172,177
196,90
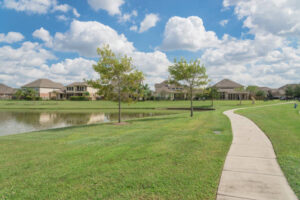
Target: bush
79,98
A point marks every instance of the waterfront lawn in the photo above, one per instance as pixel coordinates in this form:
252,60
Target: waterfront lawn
165,157
282,126
77,105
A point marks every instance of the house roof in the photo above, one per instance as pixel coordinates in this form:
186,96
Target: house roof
288,85
77,84
43,83
226,83
4,89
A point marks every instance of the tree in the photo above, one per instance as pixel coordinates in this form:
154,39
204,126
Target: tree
252,91
260,94
192,74
146,92
297,91
240,90
213,94
118,81
26,94
289,92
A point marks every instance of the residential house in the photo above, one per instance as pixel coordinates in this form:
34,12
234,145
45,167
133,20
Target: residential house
228,90
165,90
6,92
280,92
81,89
45,88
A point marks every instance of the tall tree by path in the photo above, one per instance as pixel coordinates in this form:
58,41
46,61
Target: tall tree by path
118,79
191,74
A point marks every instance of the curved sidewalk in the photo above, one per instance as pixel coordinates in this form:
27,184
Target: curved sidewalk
251,171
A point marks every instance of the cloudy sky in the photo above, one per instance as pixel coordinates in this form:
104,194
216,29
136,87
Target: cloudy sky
249,41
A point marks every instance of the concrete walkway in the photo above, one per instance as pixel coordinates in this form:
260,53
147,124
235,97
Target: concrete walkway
251,171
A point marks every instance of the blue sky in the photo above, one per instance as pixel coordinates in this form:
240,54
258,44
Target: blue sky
57,39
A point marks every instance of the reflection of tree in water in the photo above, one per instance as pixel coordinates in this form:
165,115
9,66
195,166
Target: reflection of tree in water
126,116
5,116
44,120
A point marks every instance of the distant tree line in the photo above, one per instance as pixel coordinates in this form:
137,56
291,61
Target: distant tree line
292,92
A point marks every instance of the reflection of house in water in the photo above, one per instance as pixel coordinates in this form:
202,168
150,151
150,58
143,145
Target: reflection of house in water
96,118
46,118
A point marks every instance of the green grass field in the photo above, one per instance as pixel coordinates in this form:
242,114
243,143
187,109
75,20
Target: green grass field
165,157
77,105
282,125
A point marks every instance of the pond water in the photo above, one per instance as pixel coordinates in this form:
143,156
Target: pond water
14,122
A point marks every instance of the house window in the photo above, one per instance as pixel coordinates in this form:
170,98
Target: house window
70,88
81,88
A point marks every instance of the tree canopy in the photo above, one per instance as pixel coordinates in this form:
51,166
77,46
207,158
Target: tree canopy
191,74
118,79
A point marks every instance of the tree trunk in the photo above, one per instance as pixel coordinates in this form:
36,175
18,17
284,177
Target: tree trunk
240,100
191,96
119,105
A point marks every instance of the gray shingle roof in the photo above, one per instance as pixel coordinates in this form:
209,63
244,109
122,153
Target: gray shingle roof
288,85
226,83
4,89
43,83
77,84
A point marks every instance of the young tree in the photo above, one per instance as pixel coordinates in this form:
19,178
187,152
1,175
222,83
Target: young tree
289,92
26,94
192,74
261,94
146,91
118,81
240,90
213,94
297,91
252,91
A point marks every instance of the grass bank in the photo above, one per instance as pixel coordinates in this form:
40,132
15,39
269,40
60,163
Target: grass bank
282,125
165,157
77,105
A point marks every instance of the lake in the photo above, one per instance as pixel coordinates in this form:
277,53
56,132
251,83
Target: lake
14,122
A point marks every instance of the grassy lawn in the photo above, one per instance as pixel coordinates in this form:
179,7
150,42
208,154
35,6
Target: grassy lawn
164,157
57,105
282,126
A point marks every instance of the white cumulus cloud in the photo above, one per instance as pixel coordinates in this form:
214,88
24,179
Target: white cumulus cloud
224,22
187,34
149,21
85,37
280,17
18,65
111,6
37,6
11,37
44,35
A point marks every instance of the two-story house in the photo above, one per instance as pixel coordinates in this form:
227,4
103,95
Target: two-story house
165,90
81,89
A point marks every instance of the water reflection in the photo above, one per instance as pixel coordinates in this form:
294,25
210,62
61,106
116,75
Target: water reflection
12,122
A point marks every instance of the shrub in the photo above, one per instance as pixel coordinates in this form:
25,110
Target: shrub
79,98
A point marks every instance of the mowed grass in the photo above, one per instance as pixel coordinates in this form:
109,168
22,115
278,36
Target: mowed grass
77,105
282,125
165,157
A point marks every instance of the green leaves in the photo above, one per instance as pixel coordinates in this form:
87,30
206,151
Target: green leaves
26,94
192,73
118,78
